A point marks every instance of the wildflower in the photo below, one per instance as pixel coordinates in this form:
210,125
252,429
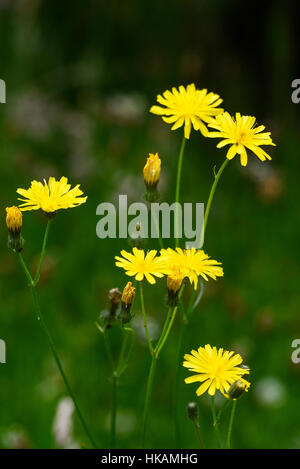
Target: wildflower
192,263
14,226
151,170
51,196
240,133
189,107
14,220
127,300
139,265
215,369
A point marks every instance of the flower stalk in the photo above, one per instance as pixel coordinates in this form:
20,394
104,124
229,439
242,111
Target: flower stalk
40,318
232,414
215,421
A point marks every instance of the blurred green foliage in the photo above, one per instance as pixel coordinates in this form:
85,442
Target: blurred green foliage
80,79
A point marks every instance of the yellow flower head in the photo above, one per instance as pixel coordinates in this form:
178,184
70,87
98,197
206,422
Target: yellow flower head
13,220
240,133
215,369
189,107
191,263
139,265
128,294
50,196
151,169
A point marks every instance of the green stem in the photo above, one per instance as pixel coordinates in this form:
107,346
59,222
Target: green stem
215,422
145,318
148,398
167,321
231,423
210,198
167,332
108,349
155,354
114,412
43,252
177,386
177,192
41,320
197,427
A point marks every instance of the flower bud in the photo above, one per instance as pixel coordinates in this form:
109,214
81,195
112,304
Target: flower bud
174,282
151,174
137,237
14,225
127,300
114,296
192,410
14,220
238,388
128,294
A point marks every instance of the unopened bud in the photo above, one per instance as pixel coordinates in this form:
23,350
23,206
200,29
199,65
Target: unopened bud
174,282
238,388
192,410
128,294
137,237
127,300
14,222
151,174
114,296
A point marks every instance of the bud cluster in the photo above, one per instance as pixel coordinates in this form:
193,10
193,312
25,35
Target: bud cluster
120,305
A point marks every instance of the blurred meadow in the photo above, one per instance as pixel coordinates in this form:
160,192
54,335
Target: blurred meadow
81,77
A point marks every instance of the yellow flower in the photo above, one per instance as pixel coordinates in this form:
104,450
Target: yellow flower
240,133
50,196
151,169
189,107
191,263
215,369
13,220
139,265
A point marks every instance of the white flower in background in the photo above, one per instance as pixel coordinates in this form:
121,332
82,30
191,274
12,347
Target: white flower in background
270,391
63,424
126,108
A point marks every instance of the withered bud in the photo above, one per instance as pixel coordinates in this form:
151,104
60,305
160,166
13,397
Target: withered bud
192,410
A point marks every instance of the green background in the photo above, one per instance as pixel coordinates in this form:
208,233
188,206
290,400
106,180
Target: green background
81,77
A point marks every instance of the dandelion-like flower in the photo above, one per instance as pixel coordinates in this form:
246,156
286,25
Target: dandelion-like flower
215,369
51,196
240,133
189,107
191,263
139,265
